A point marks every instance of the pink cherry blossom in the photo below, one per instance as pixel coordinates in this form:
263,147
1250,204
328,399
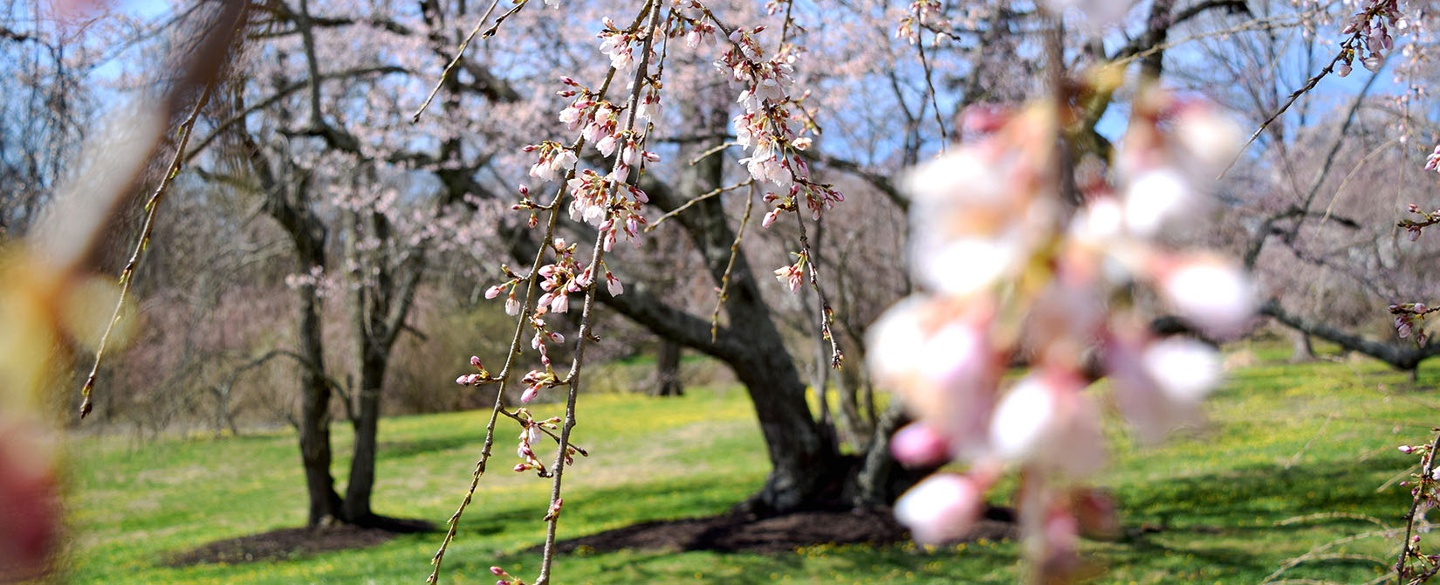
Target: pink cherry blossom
941,507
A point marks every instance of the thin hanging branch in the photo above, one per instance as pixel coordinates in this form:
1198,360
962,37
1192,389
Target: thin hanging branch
460,52
584,335
730,266
127,275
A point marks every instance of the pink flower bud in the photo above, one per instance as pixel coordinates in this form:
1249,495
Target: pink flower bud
770,218
475,361
919,445
940,508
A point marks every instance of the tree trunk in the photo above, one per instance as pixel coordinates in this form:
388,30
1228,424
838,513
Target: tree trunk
667,369
1302,350
362,466
806,468
379,305
286,201
364,407
325,504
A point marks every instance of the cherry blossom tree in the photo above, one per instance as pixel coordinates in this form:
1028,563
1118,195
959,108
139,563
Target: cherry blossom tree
1327,255
1035,235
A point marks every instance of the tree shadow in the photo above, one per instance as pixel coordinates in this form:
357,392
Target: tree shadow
292,543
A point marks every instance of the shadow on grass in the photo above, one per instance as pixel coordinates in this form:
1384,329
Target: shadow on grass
391,450
1250,521
292,543
1260,496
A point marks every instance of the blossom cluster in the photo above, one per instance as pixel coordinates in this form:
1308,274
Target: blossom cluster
1012,271
1407,320
773,127
922,14
532,432
688,20
609,202
1414,565
1427,218
1409,315
1371,26
1432,162
505,577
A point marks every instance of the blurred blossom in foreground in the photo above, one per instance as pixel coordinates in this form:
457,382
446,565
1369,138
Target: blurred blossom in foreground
1012,270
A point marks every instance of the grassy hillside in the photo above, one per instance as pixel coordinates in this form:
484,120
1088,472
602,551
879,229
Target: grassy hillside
1296,458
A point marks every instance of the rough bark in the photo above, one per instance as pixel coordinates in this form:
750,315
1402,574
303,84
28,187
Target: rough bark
315,455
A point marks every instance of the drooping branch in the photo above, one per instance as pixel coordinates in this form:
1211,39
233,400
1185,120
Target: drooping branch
1401,356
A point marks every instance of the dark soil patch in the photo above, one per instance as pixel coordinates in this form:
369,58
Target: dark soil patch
734,532
780,534
287,543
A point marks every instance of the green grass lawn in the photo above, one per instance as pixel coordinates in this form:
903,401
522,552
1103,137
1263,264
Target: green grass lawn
1296,459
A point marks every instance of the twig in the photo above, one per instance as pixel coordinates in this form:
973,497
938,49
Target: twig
1345,48
827,315
710,151
701,197
460,52
730,265
930,84
127,275
1426,483
582,451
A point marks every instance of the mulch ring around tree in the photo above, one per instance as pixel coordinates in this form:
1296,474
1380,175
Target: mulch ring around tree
734,532
780,534
289,543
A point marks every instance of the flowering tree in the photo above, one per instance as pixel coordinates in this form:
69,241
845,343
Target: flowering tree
1325,253
1032,239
